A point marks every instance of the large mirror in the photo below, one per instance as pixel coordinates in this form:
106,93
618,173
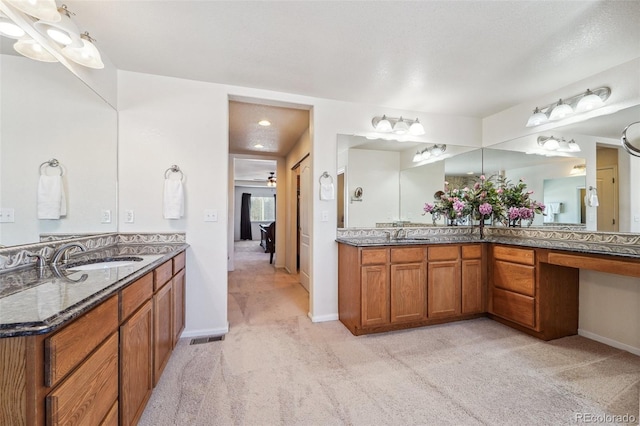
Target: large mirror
47,113
394,188
383,185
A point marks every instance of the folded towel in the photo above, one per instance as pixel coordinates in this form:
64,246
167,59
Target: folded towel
173,199
52,202
593,199
326,191
553,208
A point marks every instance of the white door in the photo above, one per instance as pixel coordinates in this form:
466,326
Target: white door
305,222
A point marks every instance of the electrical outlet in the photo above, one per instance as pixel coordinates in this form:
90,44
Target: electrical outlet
7,215
105,216
129,216
636,218
211,215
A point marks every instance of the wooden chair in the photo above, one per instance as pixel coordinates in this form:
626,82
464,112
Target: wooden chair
271,241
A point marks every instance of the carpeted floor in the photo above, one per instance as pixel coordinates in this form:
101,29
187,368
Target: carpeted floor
275,367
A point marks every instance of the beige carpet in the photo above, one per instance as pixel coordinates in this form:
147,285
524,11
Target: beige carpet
275,367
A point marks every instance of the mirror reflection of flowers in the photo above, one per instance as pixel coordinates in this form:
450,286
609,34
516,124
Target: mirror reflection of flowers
518,203
451,204
484,199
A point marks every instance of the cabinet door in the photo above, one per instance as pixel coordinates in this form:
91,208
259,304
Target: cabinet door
87,395
408,292
443,296
136,367
162,332
472,286
179,288
375,295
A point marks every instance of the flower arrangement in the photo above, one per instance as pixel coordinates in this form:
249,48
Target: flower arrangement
517,202
451,204
505,201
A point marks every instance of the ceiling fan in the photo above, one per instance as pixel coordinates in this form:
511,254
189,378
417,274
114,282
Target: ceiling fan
271,180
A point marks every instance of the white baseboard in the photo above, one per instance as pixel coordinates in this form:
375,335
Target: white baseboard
205,332
323,318
608,341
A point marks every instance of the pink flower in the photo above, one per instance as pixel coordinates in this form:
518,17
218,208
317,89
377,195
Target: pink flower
526,213
482,177
529,192
500,191
458,206
476,185
485,209
514,213
428,207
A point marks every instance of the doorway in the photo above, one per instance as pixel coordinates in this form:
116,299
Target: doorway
607,189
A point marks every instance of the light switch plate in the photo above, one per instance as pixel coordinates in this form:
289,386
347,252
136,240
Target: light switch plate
105,216
129,216
7,215
211,215
325,216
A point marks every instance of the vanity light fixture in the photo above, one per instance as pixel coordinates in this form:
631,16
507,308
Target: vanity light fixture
30,48
264,123
578,169
399,126
435,151
8,28
551,143
63,31
566,107
41,9
86,55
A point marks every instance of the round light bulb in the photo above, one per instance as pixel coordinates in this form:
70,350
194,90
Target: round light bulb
560,111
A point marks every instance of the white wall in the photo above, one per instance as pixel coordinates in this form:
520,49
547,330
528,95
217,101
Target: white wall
48,113
165,121
255,192
378,174
565,190
417,186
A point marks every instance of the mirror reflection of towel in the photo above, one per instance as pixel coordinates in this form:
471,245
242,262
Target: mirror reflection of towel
52,202
173,207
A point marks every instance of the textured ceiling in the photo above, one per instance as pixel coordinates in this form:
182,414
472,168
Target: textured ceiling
471,58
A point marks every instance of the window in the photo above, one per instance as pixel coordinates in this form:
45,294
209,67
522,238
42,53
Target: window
263,209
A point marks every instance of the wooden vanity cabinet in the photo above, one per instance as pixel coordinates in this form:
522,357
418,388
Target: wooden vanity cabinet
391,288
532,295
99,368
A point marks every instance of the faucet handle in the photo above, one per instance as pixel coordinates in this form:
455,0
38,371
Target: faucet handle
41,261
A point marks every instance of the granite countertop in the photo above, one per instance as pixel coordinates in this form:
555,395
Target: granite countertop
410,241
37,303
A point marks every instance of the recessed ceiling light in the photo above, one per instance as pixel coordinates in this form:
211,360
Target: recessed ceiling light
264,123
258,145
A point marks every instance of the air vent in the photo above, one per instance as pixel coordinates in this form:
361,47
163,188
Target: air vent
201,340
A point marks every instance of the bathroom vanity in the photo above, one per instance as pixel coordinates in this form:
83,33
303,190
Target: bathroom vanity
95,357
527,279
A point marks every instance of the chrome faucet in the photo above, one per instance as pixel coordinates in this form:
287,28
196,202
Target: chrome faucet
63,252
399,234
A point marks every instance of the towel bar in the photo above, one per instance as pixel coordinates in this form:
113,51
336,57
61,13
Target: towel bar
51,163
173,169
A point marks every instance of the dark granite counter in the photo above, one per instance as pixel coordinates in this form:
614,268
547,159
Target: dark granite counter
33,302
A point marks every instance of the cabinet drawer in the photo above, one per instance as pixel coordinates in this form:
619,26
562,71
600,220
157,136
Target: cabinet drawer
444,253
407,255
162,274
514,277
111,418
374,256
87,395
178,262
68,347
513,254
515,307
472,252
135,295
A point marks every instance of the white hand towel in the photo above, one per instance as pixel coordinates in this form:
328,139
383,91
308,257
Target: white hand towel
173,199
52,202
326,191
593,199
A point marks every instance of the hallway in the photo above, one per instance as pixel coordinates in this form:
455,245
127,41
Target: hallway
259,293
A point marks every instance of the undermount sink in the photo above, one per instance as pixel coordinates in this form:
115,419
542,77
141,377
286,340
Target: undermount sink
106,263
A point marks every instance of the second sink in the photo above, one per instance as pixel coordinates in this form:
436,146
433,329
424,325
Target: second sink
109,262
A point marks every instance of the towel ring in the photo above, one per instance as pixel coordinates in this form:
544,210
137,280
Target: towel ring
51,163
325,175
173,169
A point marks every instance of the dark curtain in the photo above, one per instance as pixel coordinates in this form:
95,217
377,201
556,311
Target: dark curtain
245,217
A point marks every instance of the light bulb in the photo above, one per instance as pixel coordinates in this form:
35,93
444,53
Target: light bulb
401,127
417,158
416,128
426,154
589,101
560,111
383,125
551,144
30,48
537,118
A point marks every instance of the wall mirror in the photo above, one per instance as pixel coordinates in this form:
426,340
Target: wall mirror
46,112
394,188
564,179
